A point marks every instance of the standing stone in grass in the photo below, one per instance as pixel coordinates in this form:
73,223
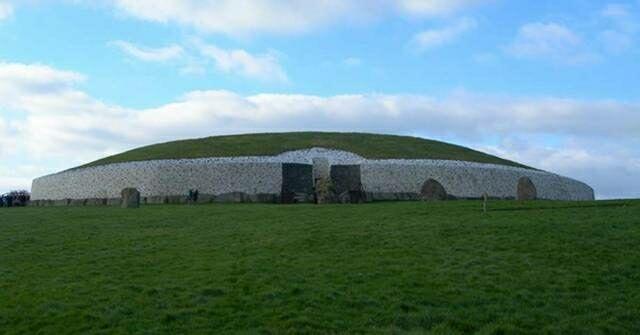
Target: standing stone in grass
321,168
526,189
297,183
433,190
130,198
346,183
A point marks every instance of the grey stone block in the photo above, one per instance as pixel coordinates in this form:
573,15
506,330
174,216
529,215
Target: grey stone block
321,168
297,183
346,178
78,202
155,200
347,184
263,198
175,199
96,202
130,198
526,189
206,198
233,197
61,202
433,190
114,202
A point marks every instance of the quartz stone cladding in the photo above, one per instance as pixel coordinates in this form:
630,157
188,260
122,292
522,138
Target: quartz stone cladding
385,179
382,179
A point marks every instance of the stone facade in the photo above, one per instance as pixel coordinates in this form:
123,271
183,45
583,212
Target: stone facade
384,180
260,179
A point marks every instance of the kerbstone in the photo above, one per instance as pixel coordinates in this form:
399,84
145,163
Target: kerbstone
433,190
130,198
526,189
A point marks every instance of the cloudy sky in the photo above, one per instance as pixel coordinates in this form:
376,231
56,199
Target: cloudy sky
552,84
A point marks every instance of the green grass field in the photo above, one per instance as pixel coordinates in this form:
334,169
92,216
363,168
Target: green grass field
442,268
366,145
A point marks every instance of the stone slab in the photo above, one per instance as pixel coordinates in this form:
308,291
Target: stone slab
297,183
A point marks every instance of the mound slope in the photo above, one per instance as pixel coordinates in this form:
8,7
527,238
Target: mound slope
371,146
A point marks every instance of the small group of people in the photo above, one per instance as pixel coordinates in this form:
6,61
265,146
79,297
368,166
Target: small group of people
15,199
192,196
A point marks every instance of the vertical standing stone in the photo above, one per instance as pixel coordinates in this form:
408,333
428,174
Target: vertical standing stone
130,198
526,189
321,168
347,183
433,190
297,183
322,180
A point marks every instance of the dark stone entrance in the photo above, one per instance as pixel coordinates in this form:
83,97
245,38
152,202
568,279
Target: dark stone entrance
346,183
297,183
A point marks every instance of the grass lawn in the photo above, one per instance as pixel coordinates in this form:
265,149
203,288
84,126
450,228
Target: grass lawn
366,145
442,268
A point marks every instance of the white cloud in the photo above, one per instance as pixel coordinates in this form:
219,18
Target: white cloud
622,16
6,10
149,54
263,66
352,61
435,37
434,7
7,139
622,28
551,41
15,79
460,114
56,115
615,41
59,123
236,17
193,68
239,17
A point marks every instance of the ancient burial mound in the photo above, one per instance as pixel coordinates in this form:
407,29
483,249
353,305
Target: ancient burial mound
303,167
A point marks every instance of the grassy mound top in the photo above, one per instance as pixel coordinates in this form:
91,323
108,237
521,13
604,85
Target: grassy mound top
366,145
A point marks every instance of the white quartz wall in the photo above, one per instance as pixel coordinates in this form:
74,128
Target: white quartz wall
263,175
161,178
466,179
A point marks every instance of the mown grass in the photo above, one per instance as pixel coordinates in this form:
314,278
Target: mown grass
366,145
441,268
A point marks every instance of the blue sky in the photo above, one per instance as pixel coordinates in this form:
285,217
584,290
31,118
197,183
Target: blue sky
553,84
